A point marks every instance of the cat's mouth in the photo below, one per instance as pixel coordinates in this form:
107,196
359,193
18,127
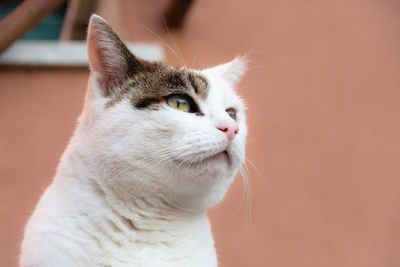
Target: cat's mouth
221,155
204,161
218,157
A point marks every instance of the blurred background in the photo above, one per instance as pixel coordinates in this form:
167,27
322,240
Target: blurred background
323,97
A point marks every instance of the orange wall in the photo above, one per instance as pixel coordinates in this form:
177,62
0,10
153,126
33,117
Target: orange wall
323,97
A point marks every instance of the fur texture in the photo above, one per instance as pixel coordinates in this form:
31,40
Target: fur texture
138,176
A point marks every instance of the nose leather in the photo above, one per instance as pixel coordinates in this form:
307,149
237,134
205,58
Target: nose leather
230,127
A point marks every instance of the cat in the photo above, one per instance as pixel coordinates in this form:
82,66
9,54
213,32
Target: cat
155,147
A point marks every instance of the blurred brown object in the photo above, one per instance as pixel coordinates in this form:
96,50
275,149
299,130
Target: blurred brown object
176,13
24,17
77,18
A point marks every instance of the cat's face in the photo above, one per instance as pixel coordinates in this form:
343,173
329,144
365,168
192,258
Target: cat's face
175,132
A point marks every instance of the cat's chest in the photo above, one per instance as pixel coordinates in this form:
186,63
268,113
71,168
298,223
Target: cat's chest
119,243
159,256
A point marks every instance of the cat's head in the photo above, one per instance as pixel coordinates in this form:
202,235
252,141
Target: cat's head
174,133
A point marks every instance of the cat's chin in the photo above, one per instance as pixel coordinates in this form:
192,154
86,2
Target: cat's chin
221,157
217,161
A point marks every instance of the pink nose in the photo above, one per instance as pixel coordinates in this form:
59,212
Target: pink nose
230,127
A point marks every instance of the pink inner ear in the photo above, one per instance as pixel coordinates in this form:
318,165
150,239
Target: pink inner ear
95,60
93,57
108,56
107,77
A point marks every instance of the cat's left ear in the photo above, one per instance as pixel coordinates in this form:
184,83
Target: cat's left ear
231,71
110,60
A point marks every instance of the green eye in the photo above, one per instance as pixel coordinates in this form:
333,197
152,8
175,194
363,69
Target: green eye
232,113
179,103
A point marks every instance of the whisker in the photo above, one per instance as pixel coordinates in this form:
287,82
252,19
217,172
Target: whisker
265,183
194,60
173,41
247,192
162,41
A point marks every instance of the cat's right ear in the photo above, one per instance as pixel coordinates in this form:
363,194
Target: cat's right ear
232,71
110,60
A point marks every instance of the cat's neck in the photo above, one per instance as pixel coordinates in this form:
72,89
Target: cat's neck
79,167
135,220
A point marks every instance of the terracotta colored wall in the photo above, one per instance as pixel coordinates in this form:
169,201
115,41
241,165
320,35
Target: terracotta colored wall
323,96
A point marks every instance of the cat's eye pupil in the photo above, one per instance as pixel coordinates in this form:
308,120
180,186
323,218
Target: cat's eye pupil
179,103
232,113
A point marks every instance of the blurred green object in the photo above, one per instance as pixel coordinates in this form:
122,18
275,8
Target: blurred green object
49,28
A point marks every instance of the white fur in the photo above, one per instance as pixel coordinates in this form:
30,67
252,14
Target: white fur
131,189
